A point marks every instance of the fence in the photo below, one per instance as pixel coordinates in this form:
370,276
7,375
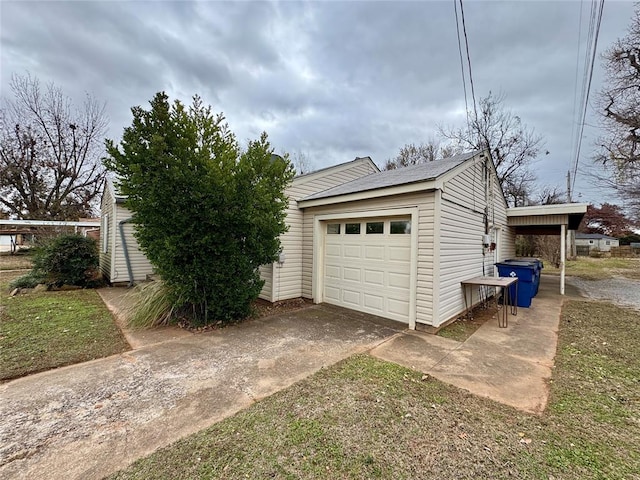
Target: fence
582,250
625,251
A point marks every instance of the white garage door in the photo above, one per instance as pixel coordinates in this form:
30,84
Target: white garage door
367,265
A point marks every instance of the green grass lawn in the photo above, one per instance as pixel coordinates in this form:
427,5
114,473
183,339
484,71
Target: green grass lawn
598,268
365,418
40,331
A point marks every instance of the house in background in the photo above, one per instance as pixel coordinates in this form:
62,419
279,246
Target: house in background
596,241
395,244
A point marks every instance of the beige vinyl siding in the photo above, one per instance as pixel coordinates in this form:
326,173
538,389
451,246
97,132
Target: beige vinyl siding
460,236
287,279
424,201
140,265
106,209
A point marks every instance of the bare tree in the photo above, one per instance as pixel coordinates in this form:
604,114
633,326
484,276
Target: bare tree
50,152
619,104
513,145
301,162
412,154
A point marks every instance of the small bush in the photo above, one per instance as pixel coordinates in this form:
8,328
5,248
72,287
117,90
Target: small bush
67,260
150,305
30,280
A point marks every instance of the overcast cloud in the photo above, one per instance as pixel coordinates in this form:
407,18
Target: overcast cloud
332,80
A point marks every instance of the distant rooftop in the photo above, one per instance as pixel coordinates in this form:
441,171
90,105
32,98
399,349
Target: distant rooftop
594,236
401,176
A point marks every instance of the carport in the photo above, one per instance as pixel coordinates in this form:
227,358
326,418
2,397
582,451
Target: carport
548,220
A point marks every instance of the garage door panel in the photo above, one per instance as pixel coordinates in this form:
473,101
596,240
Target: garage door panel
351,297
374,277
332,271
373,252
400,254
332,250
331,293
375,302
352,274
398,307
352,251
399,280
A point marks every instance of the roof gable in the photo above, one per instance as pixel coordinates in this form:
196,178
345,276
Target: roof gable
394,178
311,176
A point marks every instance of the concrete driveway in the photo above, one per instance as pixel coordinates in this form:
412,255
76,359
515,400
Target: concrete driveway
89,420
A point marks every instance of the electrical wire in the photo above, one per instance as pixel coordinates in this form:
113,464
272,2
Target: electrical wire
466,42
594,31
464,80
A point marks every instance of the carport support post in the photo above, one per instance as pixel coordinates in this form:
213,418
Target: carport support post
563,255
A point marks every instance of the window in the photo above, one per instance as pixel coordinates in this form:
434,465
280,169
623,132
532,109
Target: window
591,242
608,242
375,227
400,227
333,229
352,229
104,232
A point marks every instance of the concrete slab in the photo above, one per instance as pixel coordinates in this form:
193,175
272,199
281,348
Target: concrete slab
118,301
88,420
510,365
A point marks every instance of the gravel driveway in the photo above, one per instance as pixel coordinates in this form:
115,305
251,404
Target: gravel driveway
619,290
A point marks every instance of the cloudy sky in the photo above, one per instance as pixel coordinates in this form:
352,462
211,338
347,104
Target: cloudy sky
331,80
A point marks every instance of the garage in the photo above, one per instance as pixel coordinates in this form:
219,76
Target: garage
367,265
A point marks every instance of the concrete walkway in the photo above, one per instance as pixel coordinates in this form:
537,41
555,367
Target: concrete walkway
509,365
88,420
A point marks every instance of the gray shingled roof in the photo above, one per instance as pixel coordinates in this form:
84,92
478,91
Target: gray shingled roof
392,178
594,236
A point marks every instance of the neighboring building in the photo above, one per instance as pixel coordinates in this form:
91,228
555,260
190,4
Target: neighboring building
596,241
121,261
395,244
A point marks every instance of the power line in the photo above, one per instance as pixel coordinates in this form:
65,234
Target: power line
594,31
464,80
466,42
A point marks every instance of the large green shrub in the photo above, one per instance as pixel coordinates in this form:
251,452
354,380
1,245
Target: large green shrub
67,260
207,213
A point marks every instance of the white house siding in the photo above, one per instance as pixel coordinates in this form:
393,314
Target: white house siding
286,278
460,236
106,208
140,265
424,201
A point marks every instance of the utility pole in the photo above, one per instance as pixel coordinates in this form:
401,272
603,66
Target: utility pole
571,234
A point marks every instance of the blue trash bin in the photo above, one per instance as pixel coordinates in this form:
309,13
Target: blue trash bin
531,260
526,274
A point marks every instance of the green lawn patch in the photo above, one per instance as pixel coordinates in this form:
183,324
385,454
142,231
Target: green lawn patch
598,268
44,330
365,418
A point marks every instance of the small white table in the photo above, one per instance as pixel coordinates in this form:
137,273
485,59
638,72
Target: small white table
502,282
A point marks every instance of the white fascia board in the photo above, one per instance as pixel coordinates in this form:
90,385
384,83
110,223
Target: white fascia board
370,194
44,223
560,209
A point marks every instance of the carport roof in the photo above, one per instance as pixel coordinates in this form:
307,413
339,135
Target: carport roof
545,219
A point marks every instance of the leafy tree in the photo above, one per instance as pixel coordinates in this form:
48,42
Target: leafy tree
513,145
67,260
412,154
49,153
619,101
207,214
608,219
